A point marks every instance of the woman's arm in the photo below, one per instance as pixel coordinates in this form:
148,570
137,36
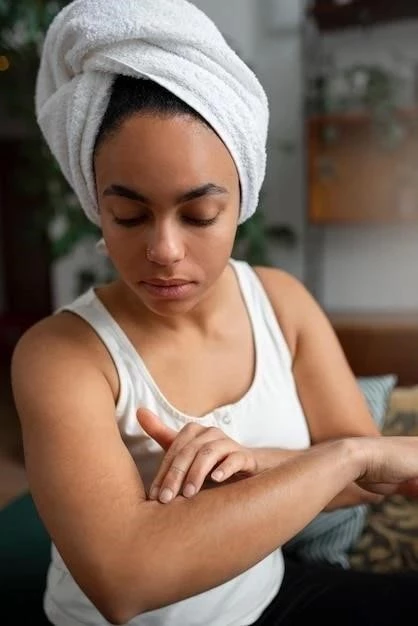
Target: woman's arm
351,495
129,554
332,401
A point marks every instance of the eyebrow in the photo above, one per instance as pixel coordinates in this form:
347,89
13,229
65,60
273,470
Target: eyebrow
209,189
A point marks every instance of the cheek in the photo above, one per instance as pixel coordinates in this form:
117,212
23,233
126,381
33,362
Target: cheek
125,248
213,244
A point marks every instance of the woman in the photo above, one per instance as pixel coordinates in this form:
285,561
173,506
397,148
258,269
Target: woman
190,370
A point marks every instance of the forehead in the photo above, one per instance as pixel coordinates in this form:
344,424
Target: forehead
176,146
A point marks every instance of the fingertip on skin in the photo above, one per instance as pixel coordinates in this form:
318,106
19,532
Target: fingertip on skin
166,495
189,490
217,475
153,494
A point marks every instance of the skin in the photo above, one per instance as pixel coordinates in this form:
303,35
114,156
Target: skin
86,486
167,241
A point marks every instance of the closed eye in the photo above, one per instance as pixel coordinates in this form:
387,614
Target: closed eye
200,223
136,221
129,222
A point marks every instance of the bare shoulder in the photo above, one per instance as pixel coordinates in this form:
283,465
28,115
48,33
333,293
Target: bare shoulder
57,331
280,283
62,341
291,301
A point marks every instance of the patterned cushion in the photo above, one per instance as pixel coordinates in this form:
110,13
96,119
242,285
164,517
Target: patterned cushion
331,535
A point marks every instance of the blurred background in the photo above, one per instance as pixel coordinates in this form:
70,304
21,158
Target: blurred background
339,207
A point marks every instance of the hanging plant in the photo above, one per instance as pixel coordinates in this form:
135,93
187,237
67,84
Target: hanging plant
255,237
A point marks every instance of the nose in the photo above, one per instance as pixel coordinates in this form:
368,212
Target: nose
165,245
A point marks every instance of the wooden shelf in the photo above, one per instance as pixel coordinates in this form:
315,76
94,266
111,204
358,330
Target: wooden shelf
354,178
329,16
377,320
360,115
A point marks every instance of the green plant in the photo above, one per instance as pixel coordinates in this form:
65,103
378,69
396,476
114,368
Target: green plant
255,237
361,87
22,30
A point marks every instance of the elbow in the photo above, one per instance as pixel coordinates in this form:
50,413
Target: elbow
115,598
116,617
124,586
131,599
116,611
119,606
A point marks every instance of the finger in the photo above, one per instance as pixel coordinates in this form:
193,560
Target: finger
180,462
214,456
187,434
235,462
154,427
382,489
209,455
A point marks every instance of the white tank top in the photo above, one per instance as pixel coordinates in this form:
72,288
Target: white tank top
268,415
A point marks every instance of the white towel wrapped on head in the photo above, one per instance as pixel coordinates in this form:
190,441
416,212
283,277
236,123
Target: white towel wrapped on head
169,41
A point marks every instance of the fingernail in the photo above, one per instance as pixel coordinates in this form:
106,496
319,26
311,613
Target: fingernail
217,475
153,494
189,490
166,495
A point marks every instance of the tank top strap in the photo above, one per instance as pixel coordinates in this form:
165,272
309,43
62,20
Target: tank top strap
88,307
261,310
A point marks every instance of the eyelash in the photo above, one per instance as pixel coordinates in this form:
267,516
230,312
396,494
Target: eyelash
136,221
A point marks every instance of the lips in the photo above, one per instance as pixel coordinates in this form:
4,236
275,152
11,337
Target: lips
174,289
159,282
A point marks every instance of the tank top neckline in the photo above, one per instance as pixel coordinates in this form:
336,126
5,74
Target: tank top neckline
127,346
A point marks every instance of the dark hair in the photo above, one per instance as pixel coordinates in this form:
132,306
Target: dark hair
135,95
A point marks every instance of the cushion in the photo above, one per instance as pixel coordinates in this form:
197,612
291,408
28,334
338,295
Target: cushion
389,541
25,554
331,535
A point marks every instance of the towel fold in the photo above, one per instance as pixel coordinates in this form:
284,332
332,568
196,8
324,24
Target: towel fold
169,41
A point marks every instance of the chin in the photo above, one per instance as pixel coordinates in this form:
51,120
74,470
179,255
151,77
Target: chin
171,308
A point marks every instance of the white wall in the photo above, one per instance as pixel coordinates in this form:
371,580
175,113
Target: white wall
236,19
280,69
65,272
373,267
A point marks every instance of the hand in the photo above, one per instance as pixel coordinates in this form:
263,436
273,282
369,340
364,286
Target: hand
191,456
409,489
390,465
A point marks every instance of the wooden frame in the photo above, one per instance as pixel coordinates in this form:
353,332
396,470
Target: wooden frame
377,344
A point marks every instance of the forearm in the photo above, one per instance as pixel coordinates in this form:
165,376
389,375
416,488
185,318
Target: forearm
242,521
351,495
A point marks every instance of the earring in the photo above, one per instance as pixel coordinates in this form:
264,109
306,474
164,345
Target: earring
101,247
